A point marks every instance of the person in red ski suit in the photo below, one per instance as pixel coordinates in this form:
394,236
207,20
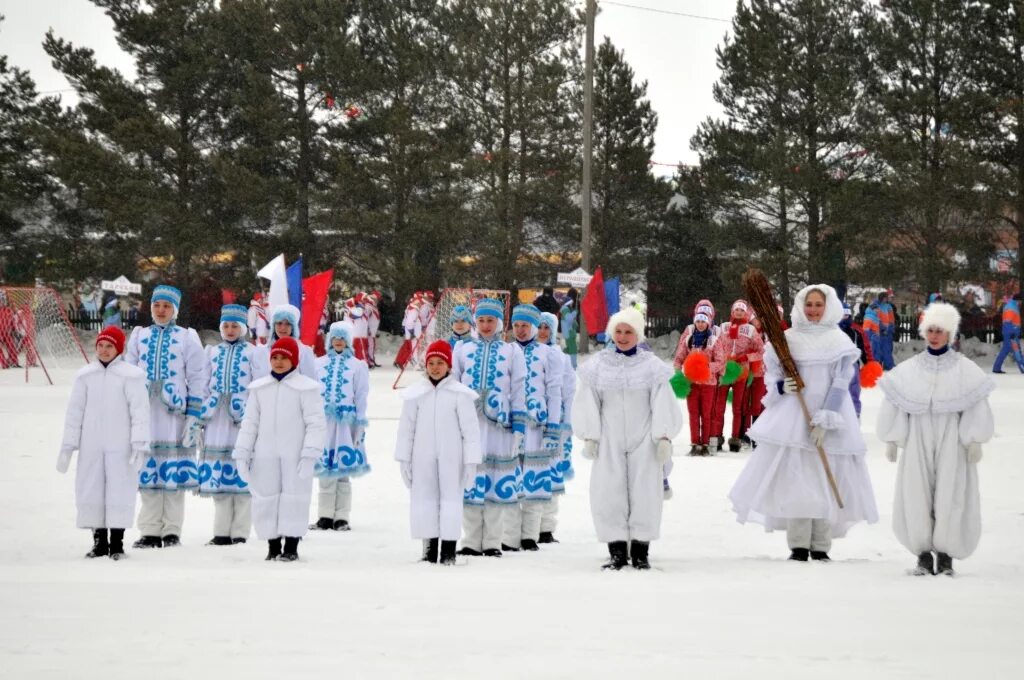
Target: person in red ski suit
742,344
701,336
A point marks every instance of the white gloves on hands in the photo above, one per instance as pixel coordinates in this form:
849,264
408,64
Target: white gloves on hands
818,436
974,453
305,470
406,468
789,386
138,458
191,436
468,476
664,451
590,449
890,452
64,460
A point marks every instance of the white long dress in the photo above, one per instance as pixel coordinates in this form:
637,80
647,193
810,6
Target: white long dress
935,406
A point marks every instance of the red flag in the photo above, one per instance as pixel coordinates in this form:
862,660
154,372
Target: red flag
228,296
594,306
314,298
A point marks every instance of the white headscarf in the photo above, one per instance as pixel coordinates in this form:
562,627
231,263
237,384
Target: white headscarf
822,341
829,320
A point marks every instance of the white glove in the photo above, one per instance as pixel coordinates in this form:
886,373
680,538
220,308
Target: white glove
890,452
243,465
818,436
590,449
406,469
137,458
664,451
789,385
518,440
468,476
64,460
974,453
305,469
190,437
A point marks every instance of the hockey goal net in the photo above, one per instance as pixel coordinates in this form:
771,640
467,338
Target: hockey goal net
35,332
438,326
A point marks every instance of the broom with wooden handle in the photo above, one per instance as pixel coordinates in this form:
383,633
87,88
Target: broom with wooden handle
759,294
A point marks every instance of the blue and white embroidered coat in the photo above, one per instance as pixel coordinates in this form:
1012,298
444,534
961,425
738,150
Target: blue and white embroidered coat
494,370
177,377
221,414
541,418
345,385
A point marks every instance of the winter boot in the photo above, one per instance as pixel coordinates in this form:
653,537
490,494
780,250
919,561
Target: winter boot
695,450
529,544
705,450
220,540
547,537
447,553
323,524
745,440
148,542
492,552
618,556
430,550
820,556
341,525
291,549
116,544
799,554
469,552
638,551
719,443
274,546
734,444
506,548
171,540
100,546
237,540
925,565
944,565
666,490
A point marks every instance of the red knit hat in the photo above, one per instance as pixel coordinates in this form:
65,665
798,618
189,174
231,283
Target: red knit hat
440,348
286,347
113,335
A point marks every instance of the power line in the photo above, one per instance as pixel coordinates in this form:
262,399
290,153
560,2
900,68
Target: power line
666,11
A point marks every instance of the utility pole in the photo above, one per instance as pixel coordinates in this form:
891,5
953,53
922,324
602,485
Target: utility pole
588,145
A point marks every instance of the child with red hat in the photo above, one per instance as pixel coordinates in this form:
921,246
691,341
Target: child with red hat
107,422
438,449
281,438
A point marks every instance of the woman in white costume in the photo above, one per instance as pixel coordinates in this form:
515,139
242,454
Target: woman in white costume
936,409
784,485
626,413
284,323
561,465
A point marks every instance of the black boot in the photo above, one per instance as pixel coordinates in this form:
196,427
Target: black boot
618,556
638,551
447,553
323,524
274,546
148,542
925,565
506,548
820,556
100,546
705,450
944,565
291,549
695,450
220,540
799,554
171,540
430,551
547,537
116,544
492,552
529,544
734,444
469,552
236,540
341,525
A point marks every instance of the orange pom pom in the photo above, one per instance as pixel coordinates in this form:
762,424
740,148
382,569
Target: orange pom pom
743,375
697,368
870,374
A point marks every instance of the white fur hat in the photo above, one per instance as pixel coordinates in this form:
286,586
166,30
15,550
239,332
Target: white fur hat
940,315
631,317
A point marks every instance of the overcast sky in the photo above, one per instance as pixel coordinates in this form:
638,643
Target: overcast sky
674,53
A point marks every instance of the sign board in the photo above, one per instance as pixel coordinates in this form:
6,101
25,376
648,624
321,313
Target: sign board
122,286
576,278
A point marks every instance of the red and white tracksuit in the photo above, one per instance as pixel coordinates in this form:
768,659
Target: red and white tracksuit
701,400
742,343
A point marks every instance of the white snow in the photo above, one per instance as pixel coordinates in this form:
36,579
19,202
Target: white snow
722,601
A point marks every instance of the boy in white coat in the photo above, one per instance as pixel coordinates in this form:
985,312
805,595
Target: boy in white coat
281,438
438,448
107,422
221,414
177,378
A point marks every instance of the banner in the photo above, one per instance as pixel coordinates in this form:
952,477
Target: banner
278,293
314,291
294,277
594,306
611,301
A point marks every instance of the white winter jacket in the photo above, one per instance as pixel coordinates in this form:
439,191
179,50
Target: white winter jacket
108,411
283,419
439,421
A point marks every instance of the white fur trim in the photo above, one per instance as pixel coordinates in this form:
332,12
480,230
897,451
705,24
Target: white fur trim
940,315
631,317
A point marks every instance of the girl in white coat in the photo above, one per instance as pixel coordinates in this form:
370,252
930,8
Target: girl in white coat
221,413
345,385
281,438
936,409
107,422
284,323
784,485
438,448
626,413
561,468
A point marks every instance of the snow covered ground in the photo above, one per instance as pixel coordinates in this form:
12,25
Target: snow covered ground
722,601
